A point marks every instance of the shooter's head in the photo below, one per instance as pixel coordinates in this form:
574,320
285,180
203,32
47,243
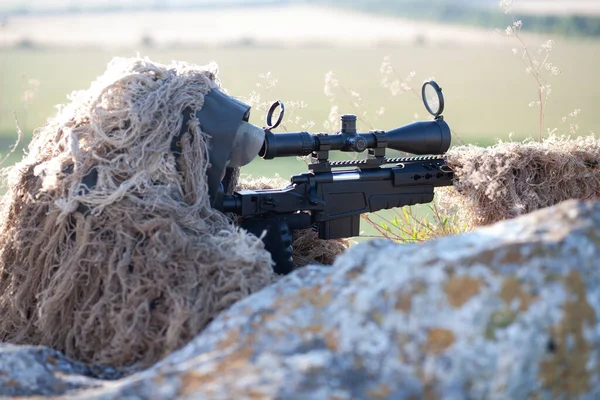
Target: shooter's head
234,141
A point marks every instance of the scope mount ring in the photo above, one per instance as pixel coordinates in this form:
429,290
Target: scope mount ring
277,104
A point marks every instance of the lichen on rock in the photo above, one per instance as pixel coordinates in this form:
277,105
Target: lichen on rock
451,318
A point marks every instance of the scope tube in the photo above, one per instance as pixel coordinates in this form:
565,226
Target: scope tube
423,137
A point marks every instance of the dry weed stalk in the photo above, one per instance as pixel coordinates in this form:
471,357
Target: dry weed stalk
536,68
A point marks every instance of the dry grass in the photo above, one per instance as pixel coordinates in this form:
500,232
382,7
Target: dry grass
511,179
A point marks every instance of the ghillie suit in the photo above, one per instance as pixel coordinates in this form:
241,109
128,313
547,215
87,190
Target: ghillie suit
307,246
510,179
109,249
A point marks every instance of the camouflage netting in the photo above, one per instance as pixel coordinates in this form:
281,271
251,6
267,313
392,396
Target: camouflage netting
107,252
308,248
511,179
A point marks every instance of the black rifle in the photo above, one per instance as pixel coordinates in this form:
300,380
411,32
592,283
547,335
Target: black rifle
333,195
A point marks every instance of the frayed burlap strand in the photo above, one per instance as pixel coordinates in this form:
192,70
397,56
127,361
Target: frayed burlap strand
108,252
307,247
511,179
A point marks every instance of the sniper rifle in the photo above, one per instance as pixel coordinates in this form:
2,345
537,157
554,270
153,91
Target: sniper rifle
331,197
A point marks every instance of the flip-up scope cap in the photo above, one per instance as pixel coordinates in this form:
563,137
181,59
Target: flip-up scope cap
433,99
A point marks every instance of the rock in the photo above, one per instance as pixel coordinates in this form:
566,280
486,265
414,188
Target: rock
36,370
507,311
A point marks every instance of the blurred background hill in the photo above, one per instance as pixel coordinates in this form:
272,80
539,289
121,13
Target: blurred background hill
565,17
569,17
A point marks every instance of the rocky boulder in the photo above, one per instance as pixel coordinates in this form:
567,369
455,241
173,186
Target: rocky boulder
37,370
507,311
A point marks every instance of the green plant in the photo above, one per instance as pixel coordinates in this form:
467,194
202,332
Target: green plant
407,226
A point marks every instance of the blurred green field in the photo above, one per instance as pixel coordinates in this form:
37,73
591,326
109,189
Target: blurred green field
486,88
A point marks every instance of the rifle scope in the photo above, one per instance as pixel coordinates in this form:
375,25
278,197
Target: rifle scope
423,137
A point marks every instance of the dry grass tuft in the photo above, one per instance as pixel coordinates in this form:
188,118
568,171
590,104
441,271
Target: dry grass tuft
511,179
